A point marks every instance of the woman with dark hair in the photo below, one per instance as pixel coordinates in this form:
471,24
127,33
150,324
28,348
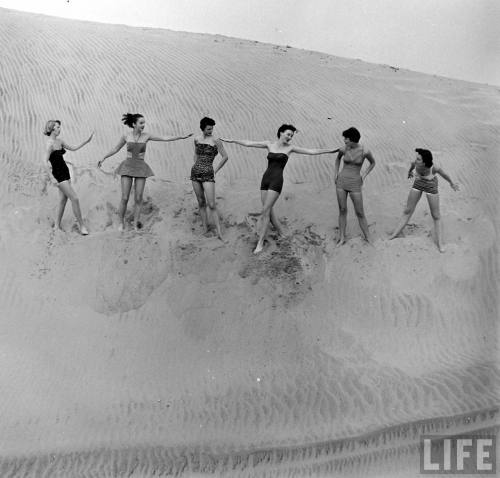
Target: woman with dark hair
58,168
425,182
206,148
272,180
350,180
134,169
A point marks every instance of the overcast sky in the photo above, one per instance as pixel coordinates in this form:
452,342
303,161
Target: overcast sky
454,38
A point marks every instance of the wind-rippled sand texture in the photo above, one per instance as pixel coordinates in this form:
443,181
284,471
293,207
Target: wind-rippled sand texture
166,352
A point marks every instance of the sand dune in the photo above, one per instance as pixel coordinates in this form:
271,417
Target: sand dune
166,352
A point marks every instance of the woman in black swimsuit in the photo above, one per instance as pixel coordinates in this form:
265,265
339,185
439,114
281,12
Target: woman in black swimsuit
206,148
58,168
272,180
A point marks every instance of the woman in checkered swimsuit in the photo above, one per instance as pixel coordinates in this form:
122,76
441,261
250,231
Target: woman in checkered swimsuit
425,182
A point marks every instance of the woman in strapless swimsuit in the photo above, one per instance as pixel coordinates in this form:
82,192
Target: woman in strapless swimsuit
134,169
272,180
425,182
350,180
206,148
58,168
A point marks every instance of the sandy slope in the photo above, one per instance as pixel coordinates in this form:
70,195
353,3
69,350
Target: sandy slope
168,352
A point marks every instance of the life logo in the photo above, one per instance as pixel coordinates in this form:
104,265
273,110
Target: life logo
464,454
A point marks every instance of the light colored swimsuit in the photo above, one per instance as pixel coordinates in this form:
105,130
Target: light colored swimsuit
349,179
425,180
135,166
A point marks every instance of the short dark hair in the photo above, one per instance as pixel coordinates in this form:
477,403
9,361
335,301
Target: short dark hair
352,133
49,126
206,121
426,156
130,119
285,127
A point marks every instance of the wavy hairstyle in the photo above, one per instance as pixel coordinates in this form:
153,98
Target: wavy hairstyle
130,119
49,127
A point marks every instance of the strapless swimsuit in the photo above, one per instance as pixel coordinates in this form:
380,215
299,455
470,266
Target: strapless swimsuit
273,177
60,169
203,170
135,166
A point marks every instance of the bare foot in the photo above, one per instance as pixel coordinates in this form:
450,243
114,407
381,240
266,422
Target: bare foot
441,248
340,242
259,248
84,231
121,227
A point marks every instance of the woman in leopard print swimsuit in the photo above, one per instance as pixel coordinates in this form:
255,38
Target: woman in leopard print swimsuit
206,148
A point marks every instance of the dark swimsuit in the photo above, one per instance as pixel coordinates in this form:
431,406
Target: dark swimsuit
203,170
60,169
273,177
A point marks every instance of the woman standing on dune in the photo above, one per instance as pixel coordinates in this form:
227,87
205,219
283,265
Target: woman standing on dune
272,180
206,148
134,169
350,180
58,168
425,182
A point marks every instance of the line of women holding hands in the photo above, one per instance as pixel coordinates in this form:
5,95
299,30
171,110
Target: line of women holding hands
349,180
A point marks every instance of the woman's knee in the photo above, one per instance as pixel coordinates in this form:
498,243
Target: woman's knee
408,210
343,210
360,214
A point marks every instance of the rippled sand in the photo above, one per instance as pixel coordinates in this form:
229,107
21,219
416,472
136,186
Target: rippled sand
166,352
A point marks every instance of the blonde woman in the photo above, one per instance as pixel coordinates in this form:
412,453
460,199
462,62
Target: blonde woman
58,169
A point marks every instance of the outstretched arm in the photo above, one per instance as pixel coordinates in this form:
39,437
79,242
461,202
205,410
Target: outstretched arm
76,148
371,160
168,138
453,185
248,144
115,150
314,151
222,152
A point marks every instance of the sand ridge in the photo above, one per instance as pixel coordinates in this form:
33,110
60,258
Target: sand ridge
130,353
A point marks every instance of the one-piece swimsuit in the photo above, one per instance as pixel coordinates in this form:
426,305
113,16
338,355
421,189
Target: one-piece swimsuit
135,166
60,169
349,178
203,170
273,177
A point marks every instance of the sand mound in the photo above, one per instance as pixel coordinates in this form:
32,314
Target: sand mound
163,351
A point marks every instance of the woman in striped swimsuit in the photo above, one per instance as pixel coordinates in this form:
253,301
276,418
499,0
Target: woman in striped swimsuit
350,180
425,182
134,169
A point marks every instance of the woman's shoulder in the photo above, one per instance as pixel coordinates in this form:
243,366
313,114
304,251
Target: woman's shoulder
53,144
